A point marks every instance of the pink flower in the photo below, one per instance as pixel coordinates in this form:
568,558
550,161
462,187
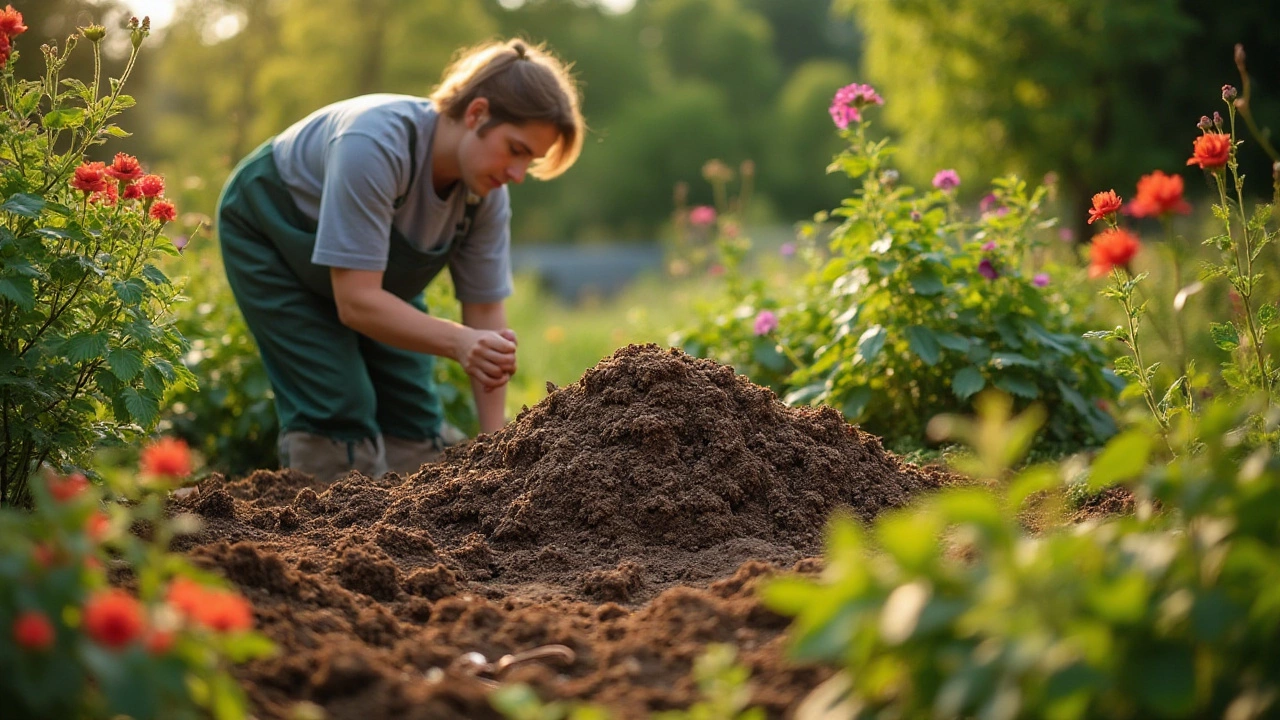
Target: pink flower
946,180
848,102
988,246
1040,280
788,249
766,322
987,269
702,215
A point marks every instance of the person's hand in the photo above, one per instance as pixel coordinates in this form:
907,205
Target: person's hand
489,357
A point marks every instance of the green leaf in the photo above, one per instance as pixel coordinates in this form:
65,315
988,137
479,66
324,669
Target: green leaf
871,343
926,282
116,131
246,646
1267,315
19,291
801,396
1165,680
789,595
765,353
155,275
1021,387
64,119
1007,359
967,381
125,363
143,408
80,348
856,402
924,344
24,205
1124,458
952,341
1224,336
29,102
131,291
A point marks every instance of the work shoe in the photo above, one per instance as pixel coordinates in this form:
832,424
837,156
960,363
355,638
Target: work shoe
407,457
329,459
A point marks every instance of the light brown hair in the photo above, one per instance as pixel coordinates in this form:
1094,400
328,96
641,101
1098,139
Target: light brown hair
523,84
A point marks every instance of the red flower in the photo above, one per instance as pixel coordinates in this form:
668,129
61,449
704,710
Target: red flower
113,618
6,48
1158,194
11,22
167,457
164,211
109,196
132,191
1113,247
1104,204
97,525
151,186
33,631
159,642
90,177
225,612
125,167
1212,150
186,595
64,488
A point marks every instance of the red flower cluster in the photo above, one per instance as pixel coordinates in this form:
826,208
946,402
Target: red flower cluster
1211,151
125,168
1104,205
1158,194
10,27
113,618
1113,247
218,610
167,457
164,211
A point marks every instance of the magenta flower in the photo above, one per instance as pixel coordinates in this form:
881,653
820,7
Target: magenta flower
987,202
987,269
848,102
766,322
702,215
1040,280
788,249
988,246
946,180
1066,235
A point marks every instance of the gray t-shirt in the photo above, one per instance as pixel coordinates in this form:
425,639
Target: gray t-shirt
346,164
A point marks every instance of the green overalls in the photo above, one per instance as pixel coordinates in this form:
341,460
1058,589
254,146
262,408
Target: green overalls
328,379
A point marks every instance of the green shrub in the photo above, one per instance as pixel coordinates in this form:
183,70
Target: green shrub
912,308
87,346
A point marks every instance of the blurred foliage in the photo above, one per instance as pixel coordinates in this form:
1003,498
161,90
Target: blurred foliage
1094,90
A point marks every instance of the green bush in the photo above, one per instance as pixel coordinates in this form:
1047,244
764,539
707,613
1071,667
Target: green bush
87,346
912,308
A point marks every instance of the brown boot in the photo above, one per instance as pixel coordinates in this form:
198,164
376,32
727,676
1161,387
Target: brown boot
408,456
329,459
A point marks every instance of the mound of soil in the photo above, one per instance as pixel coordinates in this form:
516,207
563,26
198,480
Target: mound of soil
628,517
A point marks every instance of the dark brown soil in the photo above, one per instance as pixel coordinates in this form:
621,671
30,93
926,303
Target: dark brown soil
629,516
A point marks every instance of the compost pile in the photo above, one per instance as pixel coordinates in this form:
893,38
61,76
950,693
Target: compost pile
629,516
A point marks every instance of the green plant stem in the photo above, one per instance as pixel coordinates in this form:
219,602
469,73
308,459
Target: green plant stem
795,359
1179,333
1126,301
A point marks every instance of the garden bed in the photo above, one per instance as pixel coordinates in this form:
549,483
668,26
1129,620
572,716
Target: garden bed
629,516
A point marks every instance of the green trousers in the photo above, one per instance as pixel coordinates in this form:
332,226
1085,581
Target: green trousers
328,379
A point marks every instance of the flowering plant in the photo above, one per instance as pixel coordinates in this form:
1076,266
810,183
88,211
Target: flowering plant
1243,236
87,350
74,646
914,305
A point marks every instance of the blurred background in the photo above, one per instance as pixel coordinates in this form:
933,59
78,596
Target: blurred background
1094,93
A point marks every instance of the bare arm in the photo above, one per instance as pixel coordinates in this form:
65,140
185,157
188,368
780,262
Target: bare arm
364,306
490,401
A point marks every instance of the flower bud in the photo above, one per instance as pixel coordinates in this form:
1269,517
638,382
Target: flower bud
916,216
1205,123
139,33
1217,120
1229,93
93,33
1240,58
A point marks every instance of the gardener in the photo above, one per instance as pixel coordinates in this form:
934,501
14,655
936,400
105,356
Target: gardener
332,230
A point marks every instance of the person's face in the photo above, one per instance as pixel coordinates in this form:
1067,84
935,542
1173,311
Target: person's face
503,153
